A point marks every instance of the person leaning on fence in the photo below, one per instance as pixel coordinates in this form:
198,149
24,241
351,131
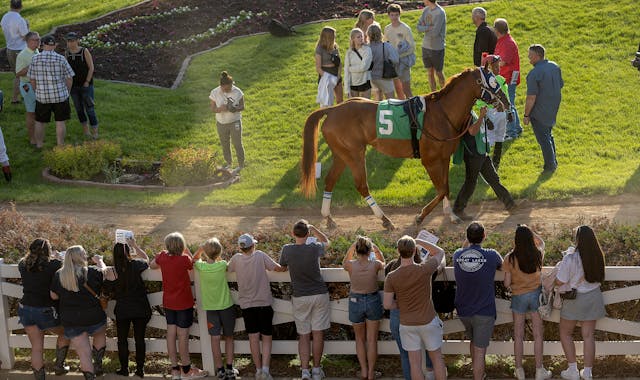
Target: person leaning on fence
522,269
582,268
37,311
217,302
255,299
365,304
475,268
408,289
227,102
310,299
177,300
77,286
132,304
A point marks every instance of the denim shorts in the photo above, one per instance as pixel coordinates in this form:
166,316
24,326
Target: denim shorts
526,303
365,307
29,97
43,317
74,331
180,318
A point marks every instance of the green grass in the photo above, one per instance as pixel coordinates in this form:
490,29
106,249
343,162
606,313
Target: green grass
595,135
43,15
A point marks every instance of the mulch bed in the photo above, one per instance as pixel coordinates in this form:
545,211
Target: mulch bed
161,66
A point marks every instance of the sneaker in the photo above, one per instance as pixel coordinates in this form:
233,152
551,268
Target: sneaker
194,373
319,375
175,374
430,375
230,374
569,374
306,375
266,376
585,377
519,373
222,373
543,374
259,374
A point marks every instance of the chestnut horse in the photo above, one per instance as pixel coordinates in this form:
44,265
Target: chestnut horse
350,126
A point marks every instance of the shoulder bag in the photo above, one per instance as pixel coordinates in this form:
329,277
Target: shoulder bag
388,68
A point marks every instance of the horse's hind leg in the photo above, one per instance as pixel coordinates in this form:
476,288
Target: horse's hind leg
337,167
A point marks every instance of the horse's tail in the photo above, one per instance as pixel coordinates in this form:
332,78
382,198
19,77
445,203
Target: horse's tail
310,152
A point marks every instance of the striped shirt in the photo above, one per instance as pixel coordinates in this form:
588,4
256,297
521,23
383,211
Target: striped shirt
50,70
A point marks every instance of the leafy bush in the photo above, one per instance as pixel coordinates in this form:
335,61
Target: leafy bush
82,161
188,166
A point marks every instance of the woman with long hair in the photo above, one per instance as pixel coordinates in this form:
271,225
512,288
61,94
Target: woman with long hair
381,52
37,311
365,304
77,285
132,305
582,268
327,58
357,66
366,18
522,270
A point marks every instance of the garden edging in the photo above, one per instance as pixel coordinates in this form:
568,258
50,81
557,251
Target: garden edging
47,176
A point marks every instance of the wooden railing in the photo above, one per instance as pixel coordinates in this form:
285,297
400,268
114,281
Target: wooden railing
10,340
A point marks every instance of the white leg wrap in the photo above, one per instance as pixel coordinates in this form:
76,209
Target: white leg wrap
326,204
446,206
377,211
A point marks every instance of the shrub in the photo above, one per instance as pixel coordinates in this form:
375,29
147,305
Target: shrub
81,161
188,166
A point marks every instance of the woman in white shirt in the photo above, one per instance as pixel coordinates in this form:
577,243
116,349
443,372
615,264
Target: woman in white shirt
357,66
582,269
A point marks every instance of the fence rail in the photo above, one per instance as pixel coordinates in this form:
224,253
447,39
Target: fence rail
10,339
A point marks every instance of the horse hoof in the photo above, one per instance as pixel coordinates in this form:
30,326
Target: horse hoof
386,223
419,219
331,224
455,220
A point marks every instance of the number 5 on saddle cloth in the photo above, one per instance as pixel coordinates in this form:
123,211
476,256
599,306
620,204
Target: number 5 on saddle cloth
402,120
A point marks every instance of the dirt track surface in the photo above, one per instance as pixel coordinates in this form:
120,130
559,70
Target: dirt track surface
200,223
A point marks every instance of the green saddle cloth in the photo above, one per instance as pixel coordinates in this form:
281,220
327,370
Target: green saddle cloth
392,121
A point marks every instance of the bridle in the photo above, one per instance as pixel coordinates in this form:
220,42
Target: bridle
489,87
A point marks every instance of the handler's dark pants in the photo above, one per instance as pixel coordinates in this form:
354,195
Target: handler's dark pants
228,133
480,164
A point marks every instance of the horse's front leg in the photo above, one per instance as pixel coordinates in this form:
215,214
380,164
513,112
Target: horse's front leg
438,170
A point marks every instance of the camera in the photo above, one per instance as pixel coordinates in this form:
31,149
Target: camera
230,106
636,62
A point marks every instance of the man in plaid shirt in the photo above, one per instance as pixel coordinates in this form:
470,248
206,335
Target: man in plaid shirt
51,77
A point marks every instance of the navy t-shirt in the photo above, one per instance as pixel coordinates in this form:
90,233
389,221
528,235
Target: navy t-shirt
475,268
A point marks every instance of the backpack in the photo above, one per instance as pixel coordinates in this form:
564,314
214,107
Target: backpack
280,29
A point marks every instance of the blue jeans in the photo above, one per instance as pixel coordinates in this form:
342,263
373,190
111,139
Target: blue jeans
83,101
394,322
513,128
544,136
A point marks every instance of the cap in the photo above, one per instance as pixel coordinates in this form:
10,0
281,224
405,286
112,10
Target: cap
246,241
48,40
71,36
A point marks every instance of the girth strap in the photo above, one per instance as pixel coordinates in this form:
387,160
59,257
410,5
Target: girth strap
413,107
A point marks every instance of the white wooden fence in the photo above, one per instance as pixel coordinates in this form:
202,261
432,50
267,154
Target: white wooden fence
9,340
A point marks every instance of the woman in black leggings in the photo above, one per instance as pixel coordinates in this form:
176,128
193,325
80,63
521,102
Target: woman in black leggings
132,305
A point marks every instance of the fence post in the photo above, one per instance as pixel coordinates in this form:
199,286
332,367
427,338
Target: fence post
7,358
205,340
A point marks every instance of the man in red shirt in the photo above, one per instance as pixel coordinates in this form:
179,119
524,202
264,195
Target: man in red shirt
507,49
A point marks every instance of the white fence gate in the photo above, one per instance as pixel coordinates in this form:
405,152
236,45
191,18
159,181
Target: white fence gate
9,340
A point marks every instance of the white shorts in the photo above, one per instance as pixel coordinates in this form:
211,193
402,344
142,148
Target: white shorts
384,85
311,313
417,338
499,120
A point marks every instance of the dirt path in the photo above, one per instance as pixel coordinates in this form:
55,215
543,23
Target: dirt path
199,223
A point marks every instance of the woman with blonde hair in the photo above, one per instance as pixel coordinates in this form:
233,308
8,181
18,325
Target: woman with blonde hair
327,58
365,304
366,18
37,311
77,285
357,66
581,268
381,52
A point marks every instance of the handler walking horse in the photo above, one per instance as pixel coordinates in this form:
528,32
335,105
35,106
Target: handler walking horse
350,126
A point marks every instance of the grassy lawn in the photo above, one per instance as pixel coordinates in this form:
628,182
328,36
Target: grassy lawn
43,15
597,152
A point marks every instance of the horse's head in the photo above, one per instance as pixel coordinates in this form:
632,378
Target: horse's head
490,90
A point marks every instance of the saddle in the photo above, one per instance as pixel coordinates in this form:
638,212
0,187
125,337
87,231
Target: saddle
413,108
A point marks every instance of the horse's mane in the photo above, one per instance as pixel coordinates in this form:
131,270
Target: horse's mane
436,95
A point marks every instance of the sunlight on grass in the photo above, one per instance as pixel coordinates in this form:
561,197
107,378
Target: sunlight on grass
595,135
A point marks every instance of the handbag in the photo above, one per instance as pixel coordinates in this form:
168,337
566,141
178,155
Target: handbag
546,304
388,68
103,299
443,293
